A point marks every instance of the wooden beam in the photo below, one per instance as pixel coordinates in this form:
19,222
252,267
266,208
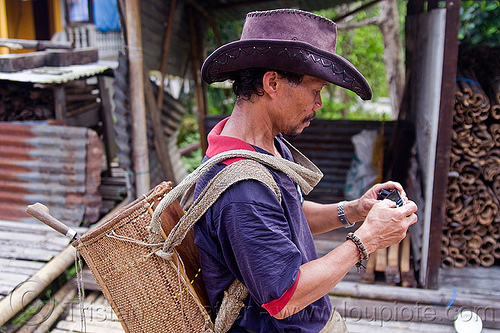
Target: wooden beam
200,99
165,53
443,148
39,45
59,102
137,103
159,138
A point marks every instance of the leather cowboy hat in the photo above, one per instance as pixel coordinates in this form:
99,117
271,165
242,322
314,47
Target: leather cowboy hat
288,40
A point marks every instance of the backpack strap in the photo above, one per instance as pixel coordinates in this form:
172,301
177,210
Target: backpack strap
307,175
233,173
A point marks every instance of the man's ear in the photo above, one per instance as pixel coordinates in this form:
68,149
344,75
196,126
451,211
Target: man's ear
270,82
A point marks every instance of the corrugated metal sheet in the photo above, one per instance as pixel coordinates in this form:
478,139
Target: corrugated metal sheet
154,18
328,144
59,166
58,74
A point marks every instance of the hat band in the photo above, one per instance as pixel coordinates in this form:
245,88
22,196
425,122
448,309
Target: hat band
280,57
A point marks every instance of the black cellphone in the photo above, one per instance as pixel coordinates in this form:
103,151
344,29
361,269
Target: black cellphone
393,195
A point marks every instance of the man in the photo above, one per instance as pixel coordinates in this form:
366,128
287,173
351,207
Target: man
279,66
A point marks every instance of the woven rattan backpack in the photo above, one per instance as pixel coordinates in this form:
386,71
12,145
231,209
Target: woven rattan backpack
145,260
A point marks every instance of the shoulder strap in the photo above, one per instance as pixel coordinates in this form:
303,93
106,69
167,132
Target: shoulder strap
306,175
233,173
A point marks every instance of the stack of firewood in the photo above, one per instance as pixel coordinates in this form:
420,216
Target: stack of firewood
472,225
25,101
20,101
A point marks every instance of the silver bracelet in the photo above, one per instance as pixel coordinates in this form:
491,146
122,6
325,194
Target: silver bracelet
342,217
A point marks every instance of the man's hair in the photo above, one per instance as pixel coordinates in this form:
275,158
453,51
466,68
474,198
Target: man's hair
248,82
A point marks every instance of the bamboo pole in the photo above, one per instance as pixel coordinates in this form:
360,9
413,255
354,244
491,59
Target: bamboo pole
31,288
137,103
51,311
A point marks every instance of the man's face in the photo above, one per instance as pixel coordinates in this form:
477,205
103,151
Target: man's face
300,103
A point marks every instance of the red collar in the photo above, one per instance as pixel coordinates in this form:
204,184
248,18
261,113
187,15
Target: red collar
219,143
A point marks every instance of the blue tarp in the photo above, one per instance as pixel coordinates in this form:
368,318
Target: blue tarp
106,16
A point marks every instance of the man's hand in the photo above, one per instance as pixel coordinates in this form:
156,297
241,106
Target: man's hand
386,224
364,204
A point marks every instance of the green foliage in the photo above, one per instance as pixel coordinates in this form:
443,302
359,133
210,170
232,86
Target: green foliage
220,100
364,48
193,161
480,22
228,31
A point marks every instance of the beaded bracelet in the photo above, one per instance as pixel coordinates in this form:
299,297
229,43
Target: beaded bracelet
363,253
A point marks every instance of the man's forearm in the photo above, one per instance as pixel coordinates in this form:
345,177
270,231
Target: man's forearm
319,276
324,217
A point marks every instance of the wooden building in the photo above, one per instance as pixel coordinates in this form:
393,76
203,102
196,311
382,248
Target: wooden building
168,36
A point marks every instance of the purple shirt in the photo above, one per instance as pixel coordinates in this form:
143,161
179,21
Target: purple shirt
247,234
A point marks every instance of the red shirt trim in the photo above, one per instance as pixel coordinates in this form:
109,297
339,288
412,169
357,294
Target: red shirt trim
275,306
219,143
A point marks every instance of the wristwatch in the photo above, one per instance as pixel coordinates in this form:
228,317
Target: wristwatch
342,217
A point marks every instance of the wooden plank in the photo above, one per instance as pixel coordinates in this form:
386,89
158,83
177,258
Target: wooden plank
91,327
14,277
99,316
16,270
30,227
22,264
443,144
34,240
6,287
26,253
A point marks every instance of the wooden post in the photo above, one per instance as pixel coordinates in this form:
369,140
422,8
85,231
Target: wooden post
443,145
166,51
137,103
392,275
4,30
159,137
59,102
107,119
200,99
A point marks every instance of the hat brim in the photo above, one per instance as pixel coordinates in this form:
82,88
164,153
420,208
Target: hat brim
284,55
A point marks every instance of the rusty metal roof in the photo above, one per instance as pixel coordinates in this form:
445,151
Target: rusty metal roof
59,166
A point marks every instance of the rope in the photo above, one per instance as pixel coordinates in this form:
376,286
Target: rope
81,290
